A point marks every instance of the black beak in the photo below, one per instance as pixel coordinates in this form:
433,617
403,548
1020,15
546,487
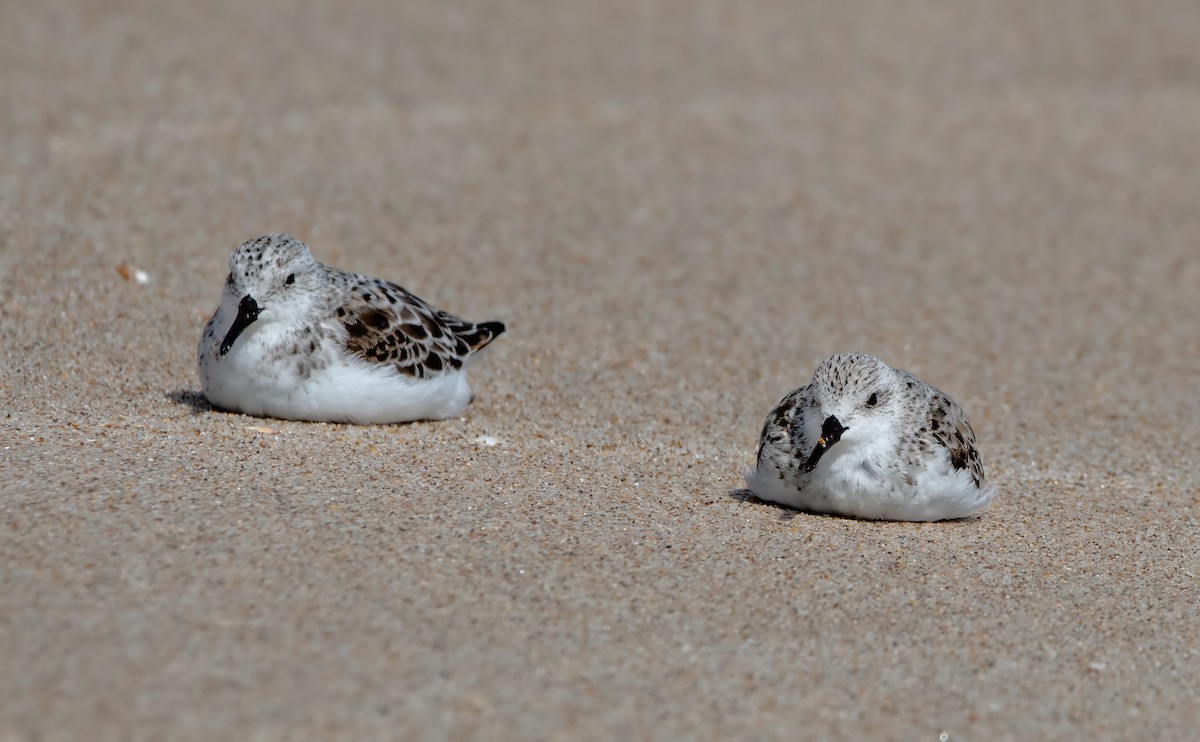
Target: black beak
247,313
831,433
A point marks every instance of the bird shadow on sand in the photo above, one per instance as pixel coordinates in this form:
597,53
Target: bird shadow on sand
744,495
190,398
787,513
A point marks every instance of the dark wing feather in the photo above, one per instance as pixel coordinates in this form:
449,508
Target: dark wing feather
386,324
948,426
783,432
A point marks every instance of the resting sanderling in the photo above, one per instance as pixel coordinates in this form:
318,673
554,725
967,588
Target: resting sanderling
870,441
299,340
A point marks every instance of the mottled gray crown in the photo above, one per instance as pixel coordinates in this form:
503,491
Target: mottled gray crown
850,371
269,254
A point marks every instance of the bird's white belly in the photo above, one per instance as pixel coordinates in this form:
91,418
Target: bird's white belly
860,486
252,380
852,483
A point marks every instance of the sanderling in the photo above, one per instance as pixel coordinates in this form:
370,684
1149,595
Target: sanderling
299,340
870,441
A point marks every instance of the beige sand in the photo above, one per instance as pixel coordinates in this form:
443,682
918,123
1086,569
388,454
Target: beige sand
679,208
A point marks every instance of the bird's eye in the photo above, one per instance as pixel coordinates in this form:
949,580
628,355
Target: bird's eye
873,399
290,279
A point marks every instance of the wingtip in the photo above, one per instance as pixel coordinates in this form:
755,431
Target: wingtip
483,333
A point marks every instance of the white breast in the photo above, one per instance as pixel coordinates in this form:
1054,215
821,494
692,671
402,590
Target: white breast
256,379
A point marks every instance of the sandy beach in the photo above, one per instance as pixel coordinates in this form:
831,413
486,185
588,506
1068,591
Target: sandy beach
678,209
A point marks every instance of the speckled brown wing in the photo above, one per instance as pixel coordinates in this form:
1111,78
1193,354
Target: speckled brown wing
783,431
948,425
386,324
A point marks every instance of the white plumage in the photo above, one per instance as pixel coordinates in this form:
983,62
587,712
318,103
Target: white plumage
866,440
299,340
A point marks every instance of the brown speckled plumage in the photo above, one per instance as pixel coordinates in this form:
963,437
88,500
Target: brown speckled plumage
386,324
296,338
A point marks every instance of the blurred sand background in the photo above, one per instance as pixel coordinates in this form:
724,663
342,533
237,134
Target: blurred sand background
679,208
